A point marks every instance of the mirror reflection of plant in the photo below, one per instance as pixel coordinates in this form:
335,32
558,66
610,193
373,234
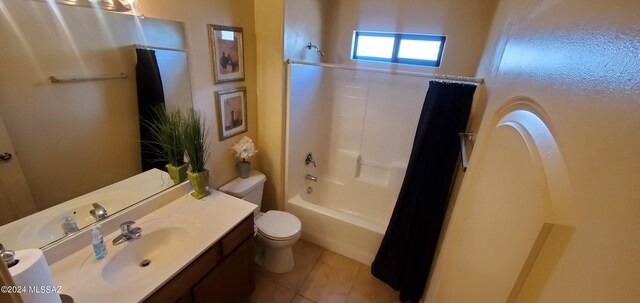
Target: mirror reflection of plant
166,129
194,140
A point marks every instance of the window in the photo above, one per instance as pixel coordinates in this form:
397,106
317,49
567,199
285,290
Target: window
398,48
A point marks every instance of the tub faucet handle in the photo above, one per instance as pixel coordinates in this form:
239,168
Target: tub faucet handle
309,159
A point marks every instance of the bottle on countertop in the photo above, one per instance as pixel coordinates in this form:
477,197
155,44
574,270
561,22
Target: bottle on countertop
99,248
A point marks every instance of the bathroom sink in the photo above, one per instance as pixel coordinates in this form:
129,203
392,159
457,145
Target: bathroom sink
140,257
173,236
163,239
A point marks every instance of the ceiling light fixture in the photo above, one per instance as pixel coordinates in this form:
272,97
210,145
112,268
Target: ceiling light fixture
110,5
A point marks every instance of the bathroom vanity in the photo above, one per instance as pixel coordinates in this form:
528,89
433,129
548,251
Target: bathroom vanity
190,251
224,273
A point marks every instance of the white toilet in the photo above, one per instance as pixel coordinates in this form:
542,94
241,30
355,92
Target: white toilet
277,231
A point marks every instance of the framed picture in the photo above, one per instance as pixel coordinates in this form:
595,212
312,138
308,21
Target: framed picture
232,112
227,53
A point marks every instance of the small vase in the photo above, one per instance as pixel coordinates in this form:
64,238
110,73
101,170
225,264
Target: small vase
199,182
244,168
177,173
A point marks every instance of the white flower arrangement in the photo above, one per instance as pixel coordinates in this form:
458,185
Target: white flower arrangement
244,149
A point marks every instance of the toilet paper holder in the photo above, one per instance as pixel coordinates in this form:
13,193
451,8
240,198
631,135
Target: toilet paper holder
8,256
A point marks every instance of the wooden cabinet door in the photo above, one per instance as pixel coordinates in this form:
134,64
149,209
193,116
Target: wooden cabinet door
231,281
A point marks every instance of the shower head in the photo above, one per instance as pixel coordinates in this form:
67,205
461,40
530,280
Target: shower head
318,50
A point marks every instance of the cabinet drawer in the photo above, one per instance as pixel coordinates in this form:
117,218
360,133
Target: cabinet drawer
237,236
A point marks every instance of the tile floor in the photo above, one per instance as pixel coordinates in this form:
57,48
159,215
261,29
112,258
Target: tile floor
321,276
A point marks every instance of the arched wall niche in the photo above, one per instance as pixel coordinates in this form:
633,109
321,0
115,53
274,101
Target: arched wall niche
535,126
514,215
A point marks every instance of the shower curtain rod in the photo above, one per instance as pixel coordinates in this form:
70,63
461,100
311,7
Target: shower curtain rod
461,79
159,48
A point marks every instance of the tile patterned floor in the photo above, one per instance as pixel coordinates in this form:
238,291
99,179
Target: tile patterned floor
321,276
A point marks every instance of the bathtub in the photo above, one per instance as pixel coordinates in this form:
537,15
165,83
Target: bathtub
344,218
359,127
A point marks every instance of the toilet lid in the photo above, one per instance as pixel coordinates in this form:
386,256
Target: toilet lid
278,224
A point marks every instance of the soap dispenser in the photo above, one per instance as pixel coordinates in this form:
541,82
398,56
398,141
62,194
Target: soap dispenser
69,224
99,248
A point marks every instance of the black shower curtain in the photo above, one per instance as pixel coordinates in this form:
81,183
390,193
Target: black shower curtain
150,95
407,250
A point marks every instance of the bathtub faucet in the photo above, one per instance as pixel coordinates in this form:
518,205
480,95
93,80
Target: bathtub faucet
311,177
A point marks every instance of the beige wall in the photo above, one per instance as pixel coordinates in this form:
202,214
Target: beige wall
465,23
269,22
577,59
303,24
196,14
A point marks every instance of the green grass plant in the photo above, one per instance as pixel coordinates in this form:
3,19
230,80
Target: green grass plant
194,140
166,129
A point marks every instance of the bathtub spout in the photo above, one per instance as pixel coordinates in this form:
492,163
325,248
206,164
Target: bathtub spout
311,177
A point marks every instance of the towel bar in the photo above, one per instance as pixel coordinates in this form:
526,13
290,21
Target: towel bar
55,79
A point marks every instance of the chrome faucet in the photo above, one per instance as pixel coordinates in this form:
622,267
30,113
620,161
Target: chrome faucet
98,212
311,177
309,159
128,232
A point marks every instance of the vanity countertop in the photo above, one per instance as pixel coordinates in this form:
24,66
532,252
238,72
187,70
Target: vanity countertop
193,226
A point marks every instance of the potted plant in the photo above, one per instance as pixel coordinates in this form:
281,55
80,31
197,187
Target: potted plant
166,129
194,137
244,149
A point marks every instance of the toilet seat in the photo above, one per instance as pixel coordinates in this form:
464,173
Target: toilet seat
278,225
261,233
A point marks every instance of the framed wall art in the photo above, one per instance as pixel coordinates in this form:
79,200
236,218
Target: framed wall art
232,112
227,53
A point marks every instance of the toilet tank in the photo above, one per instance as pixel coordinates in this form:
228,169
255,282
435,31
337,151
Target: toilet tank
249,189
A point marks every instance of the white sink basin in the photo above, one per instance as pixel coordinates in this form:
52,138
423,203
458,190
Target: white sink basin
162,241
140,257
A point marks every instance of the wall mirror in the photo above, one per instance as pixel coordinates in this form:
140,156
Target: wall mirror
71,144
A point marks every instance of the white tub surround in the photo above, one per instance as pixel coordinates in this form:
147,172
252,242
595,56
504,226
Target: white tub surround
360,126
182,231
